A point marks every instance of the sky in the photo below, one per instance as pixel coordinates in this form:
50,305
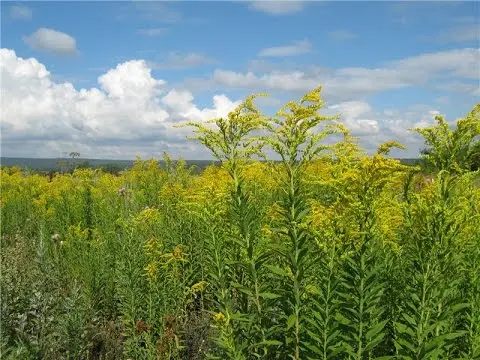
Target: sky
112,79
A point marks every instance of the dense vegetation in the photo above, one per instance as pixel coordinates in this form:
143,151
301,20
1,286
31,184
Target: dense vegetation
329,254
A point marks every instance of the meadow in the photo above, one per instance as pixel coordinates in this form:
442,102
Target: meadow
330,253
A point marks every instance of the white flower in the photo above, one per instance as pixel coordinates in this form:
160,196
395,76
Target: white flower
55,237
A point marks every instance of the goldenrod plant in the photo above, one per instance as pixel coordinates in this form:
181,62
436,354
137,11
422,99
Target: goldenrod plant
239,267
453,150
292,138
324,251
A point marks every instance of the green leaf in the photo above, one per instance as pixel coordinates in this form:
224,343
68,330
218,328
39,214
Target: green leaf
277,270
372,344
267,295
270,342
291,320
375,329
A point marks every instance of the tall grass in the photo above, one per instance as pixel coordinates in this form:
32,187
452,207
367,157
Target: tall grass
328,254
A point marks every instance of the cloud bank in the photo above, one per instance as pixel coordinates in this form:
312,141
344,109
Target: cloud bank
130,113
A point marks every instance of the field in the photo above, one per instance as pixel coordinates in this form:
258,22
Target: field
330,253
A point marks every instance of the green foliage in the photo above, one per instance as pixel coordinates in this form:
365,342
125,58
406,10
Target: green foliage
432,302
329,253
453,150
292,139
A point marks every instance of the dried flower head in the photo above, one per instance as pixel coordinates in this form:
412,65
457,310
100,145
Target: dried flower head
141,326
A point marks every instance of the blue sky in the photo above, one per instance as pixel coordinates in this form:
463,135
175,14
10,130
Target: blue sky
386,66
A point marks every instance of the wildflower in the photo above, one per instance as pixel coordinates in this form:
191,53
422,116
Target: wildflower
61,243
177,252
152,247
219,316
152,270
56,237
198,287
122,191
266,231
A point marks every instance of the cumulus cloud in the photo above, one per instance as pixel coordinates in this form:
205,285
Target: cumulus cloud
20,12
131,79
274,7
132,113
355,115
129,113
374,127
50,40
297,48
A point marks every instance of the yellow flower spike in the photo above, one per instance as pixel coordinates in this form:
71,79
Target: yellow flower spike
198,287
177,252
219,316
152,247
152,270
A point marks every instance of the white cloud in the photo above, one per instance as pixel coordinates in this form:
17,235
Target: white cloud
274,7
292,81
351,83
177,61
459,62
152,31
20,12
50,40
131,79
341,35
355,115
297,48
130,113
376,127
461,87
180,104
339,85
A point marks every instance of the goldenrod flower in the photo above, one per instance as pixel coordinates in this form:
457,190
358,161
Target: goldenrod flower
219,316
152,270
198,287
177,252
